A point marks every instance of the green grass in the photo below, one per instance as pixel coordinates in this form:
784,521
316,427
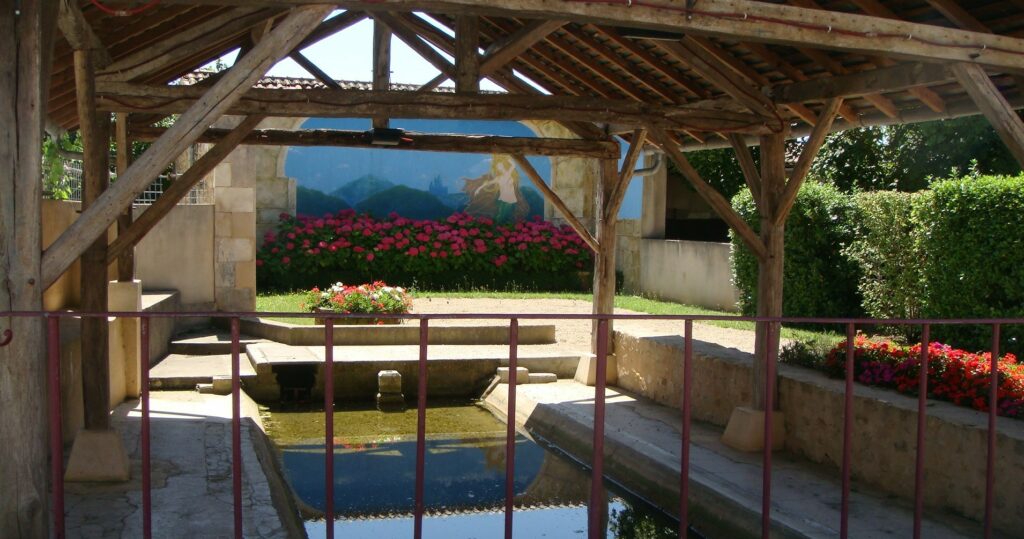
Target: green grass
289,302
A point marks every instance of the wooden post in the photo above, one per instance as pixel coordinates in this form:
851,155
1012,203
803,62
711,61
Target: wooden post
467,55
604,258
26,41
216,101
126,259
769,275
381,64
95,129
994,106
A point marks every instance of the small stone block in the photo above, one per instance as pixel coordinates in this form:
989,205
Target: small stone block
222,385
390,402
586,370
389,382
522,375
543,377
98,456
745,430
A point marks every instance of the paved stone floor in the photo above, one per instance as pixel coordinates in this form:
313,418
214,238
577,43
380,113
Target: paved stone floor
643,438
191,481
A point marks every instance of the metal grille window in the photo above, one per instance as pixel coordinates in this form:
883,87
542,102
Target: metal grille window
69,187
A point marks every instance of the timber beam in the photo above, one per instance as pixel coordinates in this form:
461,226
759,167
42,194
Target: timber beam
484,144
742,20
994,106
552,198
206,109
881,80
705,116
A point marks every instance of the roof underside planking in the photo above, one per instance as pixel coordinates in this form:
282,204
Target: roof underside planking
779,73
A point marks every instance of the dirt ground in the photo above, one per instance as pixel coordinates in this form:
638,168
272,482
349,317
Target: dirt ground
576,333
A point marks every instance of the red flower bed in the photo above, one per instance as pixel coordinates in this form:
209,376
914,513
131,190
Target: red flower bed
953,375
382,248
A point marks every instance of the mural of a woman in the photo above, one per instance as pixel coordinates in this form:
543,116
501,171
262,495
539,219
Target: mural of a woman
496,194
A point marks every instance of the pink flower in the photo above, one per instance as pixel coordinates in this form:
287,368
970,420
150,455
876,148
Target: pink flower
286,260
369,257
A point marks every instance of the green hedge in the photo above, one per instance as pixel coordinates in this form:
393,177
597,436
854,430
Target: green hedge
972,237
888,252
819,278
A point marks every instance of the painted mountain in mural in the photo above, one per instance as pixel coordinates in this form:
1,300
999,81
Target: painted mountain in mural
362,188
405,201
312,202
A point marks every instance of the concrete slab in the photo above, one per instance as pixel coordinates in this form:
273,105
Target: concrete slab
192,479
642,452
184,372
208,342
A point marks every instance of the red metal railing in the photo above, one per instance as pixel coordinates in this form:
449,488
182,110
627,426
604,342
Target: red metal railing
596,525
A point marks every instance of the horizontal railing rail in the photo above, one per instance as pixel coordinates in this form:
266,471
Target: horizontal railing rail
602,321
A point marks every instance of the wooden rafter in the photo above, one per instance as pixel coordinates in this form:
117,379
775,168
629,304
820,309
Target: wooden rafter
994,106
804,162
710,115
556,201
654,62
425,142
314,70
189,125
718,203
636,148
181,187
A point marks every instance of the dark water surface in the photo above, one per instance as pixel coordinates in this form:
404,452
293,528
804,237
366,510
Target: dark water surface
464,495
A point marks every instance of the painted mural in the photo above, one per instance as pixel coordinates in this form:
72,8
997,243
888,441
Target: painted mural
421,185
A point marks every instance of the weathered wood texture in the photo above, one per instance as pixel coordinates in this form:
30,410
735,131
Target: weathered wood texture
127,97
467,56
994,106
552,198
636,148
604,258
762,22
718,203
381,65
806,159
95,130
127,240
485,144
769,275
126,259
25,47
207,108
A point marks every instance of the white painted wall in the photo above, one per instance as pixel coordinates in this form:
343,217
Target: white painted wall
690,272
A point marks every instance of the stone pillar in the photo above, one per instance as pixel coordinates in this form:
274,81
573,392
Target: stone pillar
234,240
125,339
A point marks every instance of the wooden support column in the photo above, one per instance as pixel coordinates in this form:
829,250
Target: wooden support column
994,106
95,130
467,54
216,101
551,197
381,64
26,43
126,259
769,275
604,258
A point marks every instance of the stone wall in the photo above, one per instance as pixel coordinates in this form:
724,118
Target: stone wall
690,272
885,424
627,255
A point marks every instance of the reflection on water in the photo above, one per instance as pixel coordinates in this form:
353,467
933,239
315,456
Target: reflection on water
464,495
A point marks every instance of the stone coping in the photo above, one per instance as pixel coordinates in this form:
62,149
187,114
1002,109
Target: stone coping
313,335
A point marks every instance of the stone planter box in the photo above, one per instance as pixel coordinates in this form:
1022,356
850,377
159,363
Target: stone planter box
356,321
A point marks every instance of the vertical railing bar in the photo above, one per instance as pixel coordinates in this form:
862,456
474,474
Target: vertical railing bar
993,405
421,428
147,474
769,406
56,424
844,511
922,400
595,510
329,426
684,454
510,434
236,427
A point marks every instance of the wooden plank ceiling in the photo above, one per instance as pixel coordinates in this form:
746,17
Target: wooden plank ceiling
580,59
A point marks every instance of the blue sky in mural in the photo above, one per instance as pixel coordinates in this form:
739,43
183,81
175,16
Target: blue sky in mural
435,181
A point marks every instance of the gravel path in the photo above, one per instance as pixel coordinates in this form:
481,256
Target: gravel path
576,333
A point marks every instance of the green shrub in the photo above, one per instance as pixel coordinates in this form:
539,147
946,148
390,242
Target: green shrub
819,279
888,254
972,234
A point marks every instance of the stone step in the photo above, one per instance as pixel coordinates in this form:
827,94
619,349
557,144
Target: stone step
180,371
208,343
442,332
